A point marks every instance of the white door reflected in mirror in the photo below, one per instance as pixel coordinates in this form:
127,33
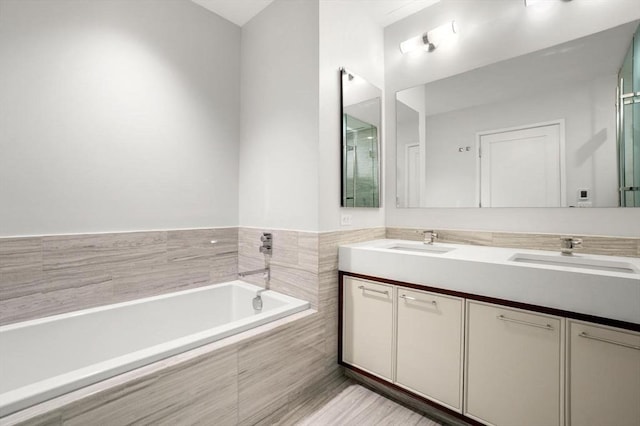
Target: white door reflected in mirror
523,167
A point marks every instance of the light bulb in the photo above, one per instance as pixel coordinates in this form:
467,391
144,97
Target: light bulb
412,44
437,35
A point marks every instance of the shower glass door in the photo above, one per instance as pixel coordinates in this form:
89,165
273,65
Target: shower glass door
629,126
361,165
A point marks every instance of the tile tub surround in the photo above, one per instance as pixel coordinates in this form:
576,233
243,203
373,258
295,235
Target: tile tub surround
302,262
47,275
591,244
260,377
304,265
246,379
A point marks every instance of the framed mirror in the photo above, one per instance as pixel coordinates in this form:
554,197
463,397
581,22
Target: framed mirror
360,154
559,127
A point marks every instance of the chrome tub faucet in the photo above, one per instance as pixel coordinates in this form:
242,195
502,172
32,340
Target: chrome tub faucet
267,249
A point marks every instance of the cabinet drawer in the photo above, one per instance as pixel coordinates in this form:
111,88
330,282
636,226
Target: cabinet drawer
514,362
367,334
604,375
429,346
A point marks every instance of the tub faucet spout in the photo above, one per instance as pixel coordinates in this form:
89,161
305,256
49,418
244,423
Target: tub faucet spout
266,273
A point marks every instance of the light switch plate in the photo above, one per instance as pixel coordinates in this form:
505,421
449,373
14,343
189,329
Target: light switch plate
345,219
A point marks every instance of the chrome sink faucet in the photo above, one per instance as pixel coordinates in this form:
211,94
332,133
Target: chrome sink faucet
568,244
430,236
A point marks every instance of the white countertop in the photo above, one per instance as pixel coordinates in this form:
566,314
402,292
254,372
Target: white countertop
488,271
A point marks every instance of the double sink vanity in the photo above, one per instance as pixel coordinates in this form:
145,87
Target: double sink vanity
493,335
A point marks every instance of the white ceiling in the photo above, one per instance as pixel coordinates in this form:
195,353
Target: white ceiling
384,12
237,11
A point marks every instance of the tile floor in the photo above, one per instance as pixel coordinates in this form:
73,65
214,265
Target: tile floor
346,403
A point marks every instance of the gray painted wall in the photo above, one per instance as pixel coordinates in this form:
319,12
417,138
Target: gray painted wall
117,115
279,138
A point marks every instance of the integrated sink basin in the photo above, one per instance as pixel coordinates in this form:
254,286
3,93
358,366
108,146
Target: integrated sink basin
420,248
576,261
590,284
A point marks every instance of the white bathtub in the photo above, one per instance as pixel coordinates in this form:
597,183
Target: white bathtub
44,358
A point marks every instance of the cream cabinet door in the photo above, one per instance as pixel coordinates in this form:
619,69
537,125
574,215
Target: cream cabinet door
367,333
604,376
514,362
429,346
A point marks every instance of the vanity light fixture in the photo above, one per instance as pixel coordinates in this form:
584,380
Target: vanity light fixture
431,39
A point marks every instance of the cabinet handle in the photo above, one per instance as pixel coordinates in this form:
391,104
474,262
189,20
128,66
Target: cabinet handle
532,324
613,342
373,290
404,296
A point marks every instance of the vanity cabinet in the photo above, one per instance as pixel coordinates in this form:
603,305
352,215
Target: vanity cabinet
430,345
488,362
514,361
367,326
604,375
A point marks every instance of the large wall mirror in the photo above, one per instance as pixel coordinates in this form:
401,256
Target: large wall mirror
361,118
559,127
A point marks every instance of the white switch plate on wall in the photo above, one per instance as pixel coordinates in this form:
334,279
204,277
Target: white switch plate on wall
345,219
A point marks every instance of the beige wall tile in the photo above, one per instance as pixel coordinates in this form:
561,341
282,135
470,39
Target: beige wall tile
465,237
249,241
224,268
46,270
200,391
295,352
285,248
38,305
20,255
529,241
609,246
308,246
46,419
158,279
16,284
412,234
104,251
195,246
295,282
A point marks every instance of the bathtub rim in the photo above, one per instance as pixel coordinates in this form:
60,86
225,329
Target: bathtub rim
86,311
32,395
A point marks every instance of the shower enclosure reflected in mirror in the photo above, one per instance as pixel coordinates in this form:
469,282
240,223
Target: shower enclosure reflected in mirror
361,117
629,126
538,130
